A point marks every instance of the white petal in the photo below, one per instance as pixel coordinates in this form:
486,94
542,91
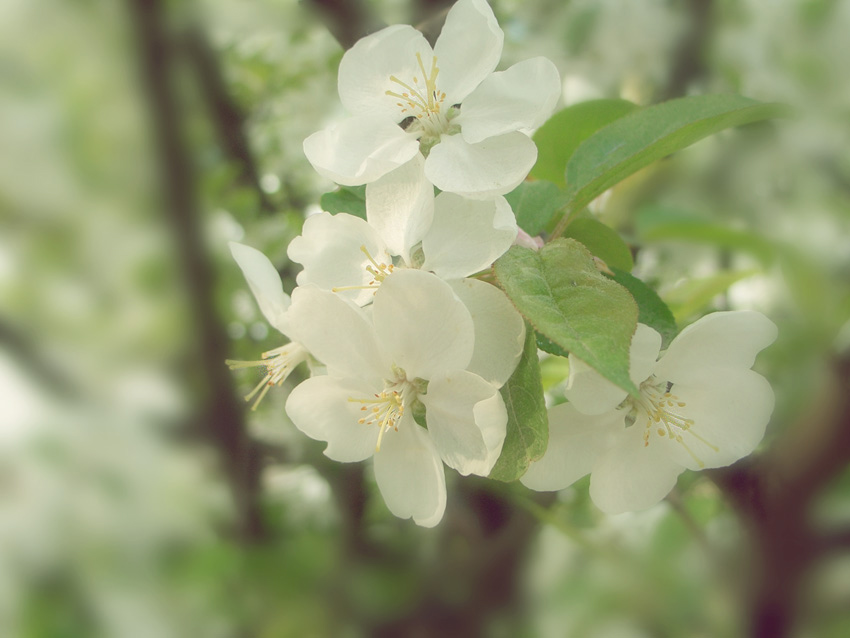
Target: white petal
499,330
424,328
466,419
468,49
493,167
359,149
337,333
591,393
265,283
519,99
400,206
575,442
467,235
730,408
410,474
643,353
330,248
365,70
320,408
729,339
631,476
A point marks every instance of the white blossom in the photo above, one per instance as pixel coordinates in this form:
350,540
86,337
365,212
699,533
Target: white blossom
445,104
265,283
700,406
452,237
413,346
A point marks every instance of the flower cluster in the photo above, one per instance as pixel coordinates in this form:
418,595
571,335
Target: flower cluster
408,350
700,406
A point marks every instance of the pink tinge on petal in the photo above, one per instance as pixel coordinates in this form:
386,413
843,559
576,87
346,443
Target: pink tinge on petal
527,241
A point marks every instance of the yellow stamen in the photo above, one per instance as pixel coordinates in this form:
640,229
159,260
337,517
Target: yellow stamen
278,363
659,408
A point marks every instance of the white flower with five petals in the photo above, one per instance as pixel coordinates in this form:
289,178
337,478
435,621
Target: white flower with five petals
265,283
444,103
414,346
451,236
700,406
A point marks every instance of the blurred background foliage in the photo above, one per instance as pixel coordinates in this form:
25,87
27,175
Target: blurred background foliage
139,497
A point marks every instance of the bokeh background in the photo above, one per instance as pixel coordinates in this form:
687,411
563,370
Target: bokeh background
140,497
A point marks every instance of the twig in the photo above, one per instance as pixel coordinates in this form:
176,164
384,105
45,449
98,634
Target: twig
218,408
347,20
225,113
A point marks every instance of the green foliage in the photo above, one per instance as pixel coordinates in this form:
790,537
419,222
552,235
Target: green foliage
346,199
652,311
655,224
528,424
562,133
551,347
603,241
563,295
636,140
695,295
534,204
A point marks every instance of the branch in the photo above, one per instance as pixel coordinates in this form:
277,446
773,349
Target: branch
32,360
219,409
689,58
347,20
773,495
225,113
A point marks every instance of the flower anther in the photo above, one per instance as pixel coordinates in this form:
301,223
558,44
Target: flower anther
278,363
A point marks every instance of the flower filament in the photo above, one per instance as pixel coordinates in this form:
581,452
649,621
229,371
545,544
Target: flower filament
425,103
386,408
278,363
661,409
377,270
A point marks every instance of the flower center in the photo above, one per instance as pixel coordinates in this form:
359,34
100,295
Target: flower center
423,101
662,409
278,363
376,270
385,409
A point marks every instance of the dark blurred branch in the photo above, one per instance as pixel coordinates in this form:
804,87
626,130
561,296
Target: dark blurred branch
28,355
773,496
484,543
218,408
689,59
834,542
429,17
226,115
347,20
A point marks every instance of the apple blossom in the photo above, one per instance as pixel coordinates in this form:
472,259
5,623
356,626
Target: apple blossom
452,236
413,347
265,283
347,255
445,104
700,406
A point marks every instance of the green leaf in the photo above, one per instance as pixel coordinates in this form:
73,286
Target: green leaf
346,199
658,224
636,140
548,346
534,204
567,300
652,311
559,137
528,424
694,295
603,241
